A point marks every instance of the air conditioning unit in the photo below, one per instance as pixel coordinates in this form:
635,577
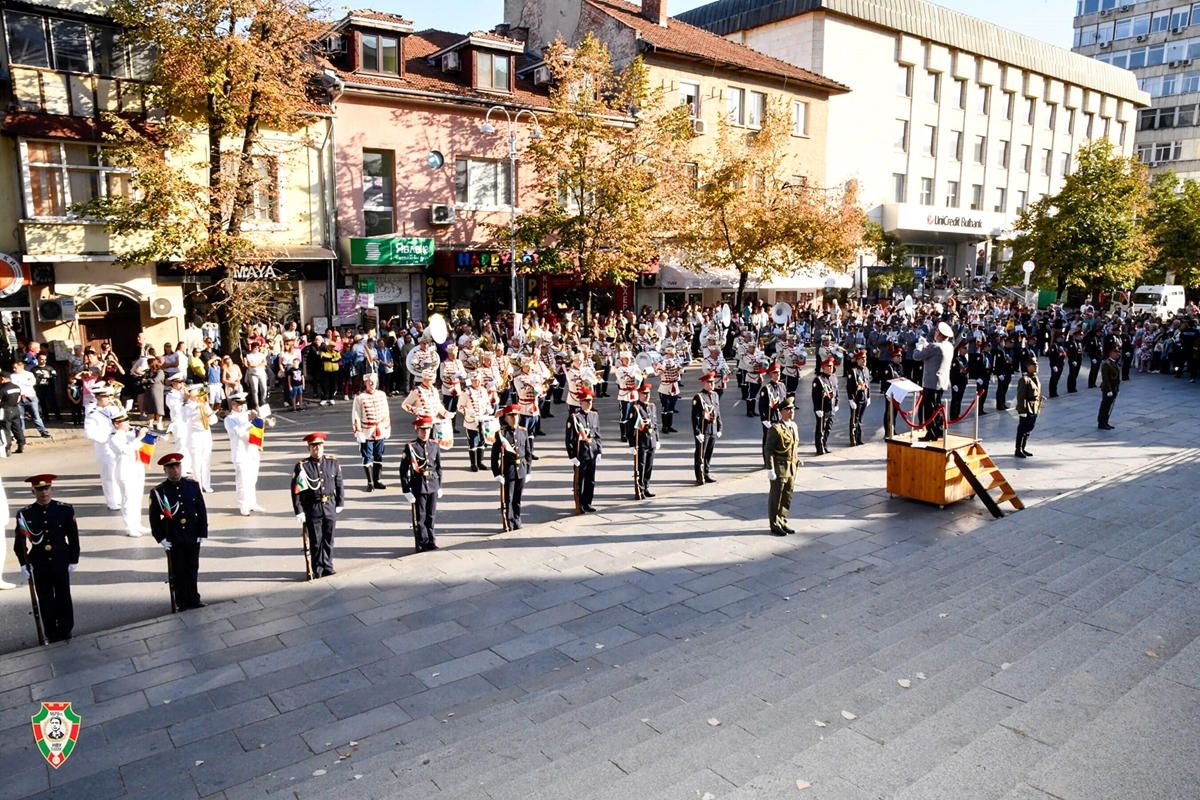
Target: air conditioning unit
1105,12
648,280
1174,64
1187,62
1176,31
1143,38
1105,45
699,127
441,214
335,44
162,307
542,76
1126,8
451,62
56,309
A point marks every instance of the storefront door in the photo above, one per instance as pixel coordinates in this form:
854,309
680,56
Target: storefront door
113,319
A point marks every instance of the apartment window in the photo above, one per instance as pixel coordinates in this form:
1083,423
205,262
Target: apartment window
904,81
1168,151
1179,16
1196,11
952,194
1121,134
799,118
1009,99
62,174
1141,25
1091,118
1046,162
689,95
956,145
1066,164
1070,122
1185,116
382,54
1124,28
933,85
1030,110
379,192
977,197
1161,21
734,106
1147,119
1170,85
980,149
1001,197
1004,152
1022,199
1087,35
1104,32
902,136
960,93
757,110
926,191
1049,117
1190,82
1026,158
482,182
75,46
491,72
983,97
929,142
898,187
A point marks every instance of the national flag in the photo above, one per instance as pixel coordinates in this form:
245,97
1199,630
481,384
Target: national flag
301,483
23,527
146,451
256,432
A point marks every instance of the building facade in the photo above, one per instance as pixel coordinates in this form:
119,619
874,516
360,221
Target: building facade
953,125
1159,42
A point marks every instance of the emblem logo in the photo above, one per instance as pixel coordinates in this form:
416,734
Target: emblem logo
55,729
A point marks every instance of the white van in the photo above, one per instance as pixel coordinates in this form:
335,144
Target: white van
1161,301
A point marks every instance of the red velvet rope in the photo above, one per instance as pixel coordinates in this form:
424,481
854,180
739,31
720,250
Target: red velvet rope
941,411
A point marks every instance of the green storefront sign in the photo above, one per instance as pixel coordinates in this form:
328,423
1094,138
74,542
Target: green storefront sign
391,252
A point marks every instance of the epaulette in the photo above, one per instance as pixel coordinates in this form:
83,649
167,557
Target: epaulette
333,458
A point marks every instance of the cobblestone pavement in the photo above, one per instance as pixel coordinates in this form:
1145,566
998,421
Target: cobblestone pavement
667,648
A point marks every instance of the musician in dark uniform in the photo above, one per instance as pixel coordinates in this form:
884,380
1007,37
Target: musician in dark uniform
770,398
825,403
959,377
706,426
641,430
584,449
979,369
1058,359
317,497
1110,386
421,481
179,521
889,371
858,392
1074,350
1003,368
47,545
512,460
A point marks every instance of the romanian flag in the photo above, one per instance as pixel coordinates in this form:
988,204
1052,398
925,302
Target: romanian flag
256,432
146,451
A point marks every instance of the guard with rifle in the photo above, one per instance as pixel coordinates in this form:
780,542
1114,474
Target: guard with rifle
512,459
641,429
317,497
421,482
585,449
47,548
179,521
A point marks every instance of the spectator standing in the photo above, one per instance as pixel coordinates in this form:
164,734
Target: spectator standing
46,384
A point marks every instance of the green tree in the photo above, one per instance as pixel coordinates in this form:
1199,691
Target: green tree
891,252
1090,233
609,169
1173,223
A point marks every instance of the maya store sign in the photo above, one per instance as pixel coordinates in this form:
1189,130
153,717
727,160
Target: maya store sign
391,251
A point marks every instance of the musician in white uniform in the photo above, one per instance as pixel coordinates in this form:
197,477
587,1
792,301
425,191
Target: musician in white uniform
198,419
175,399
628,377
124,445
452,382
98,428
244,455
478,404
671,370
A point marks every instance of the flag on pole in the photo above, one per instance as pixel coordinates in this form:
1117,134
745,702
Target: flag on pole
256,432
146,451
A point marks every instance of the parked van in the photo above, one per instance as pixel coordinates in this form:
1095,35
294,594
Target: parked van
1161,301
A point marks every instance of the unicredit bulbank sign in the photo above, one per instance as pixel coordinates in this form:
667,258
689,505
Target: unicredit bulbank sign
972,224
942,221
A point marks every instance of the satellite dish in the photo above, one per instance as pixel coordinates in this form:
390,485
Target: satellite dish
726,315
438,330
781,313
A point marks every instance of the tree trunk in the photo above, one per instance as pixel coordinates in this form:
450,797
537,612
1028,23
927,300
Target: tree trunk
743,277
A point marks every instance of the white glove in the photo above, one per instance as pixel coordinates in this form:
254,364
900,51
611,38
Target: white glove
1054,369
25,571
71,567
700,438
166,544
1108,395
358,437
339,509
657,445
719,434
500,479
771,474
574,462
820,413
300,518
835,410
1074,363
853,406
410,497
439,494
979,381
598,457
766,424
528,475
868,402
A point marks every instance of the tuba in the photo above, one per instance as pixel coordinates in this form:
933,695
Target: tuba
781,313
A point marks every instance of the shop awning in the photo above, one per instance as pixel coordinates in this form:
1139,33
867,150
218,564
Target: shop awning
676,278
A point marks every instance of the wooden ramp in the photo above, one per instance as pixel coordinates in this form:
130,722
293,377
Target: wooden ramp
982,473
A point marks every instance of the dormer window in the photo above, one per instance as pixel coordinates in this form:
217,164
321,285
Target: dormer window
379,53
491,71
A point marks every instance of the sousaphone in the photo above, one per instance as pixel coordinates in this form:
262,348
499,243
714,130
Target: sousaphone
781,313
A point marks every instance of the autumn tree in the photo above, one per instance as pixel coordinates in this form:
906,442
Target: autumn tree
225,73
749,212
608,169
1090,233
1173,223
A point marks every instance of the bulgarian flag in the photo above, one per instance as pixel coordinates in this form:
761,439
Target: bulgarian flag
146,451
301,483
256,432
23,527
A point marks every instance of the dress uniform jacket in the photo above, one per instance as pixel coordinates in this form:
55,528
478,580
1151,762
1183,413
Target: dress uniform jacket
512,457
421,476
770,398
706,425
47,539
825,400
178,515
780,453
858,391
317,491
583,443
642,429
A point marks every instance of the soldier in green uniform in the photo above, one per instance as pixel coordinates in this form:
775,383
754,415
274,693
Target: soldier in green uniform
47,548
781,453
1029,403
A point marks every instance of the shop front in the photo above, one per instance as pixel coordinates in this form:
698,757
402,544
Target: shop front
714,288
383,278
952,242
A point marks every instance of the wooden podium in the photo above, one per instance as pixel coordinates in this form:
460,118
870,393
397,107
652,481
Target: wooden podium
928,471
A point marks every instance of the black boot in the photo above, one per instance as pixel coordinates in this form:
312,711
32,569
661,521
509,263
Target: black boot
377,468
1020,450
668,418
370,478
1024,442
475,459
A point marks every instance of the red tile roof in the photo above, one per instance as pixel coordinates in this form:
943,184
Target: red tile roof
366,13
687,40
57,126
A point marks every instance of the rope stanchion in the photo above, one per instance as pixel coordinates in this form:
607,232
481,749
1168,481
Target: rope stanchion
941,412
966,413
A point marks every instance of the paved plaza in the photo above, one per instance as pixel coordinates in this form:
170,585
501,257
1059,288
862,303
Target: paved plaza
667,648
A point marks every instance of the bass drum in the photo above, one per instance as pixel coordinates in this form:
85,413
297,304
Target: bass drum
443,433
488,428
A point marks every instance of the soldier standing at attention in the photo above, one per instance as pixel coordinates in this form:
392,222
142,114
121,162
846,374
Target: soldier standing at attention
179,522
1058,358
888,372
421,482
584,449
512,459
1029,403
959,376
1110,387
1003,368
825,403
47,547
706,426
782,454
642,433
317,497
858,392
1074,350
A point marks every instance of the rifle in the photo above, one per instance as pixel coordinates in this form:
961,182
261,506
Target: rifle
577,485
307,554
417,538
504,504
171,581
637,466
37,614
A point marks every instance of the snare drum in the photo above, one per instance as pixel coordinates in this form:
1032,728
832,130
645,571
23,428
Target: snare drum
443,433
488,428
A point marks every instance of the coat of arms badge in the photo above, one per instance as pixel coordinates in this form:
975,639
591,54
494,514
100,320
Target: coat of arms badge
56,729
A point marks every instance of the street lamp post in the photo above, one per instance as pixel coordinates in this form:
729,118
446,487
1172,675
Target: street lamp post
487,127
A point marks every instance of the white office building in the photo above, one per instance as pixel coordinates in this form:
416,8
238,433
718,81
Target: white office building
1159,43
952,125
